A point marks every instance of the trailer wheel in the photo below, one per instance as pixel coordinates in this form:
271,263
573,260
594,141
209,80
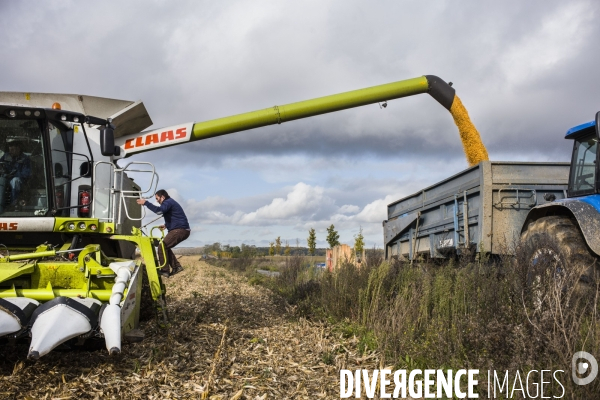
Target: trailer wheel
553,247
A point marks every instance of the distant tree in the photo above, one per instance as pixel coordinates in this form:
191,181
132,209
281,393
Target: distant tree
271,248
287,248
214,249
248,251
332,237
312,241
278,245
359,244
235,251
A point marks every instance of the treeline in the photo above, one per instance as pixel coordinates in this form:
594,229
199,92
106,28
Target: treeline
250,251
277,247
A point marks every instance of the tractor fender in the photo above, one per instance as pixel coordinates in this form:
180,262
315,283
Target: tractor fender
585,210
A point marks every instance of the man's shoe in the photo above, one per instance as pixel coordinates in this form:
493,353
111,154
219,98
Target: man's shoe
176,270
164,274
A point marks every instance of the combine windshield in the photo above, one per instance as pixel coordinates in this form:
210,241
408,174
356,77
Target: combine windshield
23,189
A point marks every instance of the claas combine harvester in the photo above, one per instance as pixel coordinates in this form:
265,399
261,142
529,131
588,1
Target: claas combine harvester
72,251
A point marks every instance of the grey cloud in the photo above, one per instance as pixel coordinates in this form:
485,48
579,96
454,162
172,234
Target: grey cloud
200,61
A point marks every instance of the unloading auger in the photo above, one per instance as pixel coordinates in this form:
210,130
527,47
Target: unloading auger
475,151
72,252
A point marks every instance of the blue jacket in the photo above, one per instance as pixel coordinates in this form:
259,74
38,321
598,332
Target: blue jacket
18,167
172,212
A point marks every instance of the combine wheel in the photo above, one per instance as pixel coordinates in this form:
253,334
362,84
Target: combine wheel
553,247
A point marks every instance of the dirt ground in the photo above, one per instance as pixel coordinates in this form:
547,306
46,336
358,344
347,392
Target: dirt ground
227,340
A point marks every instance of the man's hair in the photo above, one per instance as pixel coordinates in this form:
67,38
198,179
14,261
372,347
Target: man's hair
161,193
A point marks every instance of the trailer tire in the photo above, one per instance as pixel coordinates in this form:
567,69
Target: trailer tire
552,246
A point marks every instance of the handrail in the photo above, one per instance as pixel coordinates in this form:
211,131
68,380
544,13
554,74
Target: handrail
161,243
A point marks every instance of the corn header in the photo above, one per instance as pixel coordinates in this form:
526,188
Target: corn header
73,256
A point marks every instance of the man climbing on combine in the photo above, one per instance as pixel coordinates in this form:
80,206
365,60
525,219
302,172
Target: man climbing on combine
176,223
16,169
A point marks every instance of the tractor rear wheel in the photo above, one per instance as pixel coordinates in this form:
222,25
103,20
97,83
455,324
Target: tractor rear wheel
553,247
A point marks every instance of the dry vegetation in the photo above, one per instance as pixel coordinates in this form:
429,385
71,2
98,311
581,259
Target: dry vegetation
497,315
228,340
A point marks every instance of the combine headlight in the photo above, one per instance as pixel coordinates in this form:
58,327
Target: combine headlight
36,113
82,225
75,119
12,113
93,227
71,226
27,113
63,117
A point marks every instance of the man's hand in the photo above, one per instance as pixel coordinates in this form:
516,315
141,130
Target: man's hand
162,227
141,202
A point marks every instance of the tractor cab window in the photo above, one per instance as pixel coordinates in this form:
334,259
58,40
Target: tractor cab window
23,189
583,166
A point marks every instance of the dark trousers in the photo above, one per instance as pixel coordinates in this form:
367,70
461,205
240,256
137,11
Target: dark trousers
173,238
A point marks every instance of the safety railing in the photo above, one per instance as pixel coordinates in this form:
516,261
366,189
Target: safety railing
516,198
136,194
112,189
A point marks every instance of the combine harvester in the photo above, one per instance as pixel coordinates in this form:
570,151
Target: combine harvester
70,226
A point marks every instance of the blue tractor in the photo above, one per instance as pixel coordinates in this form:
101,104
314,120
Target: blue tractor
569,229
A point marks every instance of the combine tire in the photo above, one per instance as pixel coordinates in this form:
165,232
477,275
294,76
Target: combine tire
554,246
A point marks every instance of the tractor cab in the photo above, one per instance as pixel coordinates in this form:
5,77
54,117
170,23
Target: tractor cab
584,176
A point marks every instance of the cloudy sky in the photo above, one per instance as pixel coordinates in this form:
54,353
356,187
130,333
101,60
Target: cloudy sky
526,71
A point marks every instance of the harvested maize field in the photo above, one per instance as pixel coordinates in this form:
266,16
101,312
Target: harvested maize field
227,340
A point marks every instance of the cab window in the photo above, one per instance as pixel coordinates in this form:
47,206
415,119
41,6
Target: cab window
60,170
583,166
23,177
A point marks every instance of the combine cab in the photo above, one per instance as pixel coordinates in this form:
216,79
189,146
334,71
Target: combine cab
69,225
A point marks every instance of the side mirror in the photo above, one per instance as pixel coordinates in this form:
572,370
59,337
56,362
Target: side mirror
107,140
58,170
85,169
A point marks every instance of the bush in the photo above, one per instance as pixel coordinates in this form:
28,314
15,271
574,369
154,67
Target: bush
497,315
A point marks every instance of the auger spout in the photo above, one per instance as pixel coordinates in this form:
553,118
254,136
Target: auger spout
436,87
